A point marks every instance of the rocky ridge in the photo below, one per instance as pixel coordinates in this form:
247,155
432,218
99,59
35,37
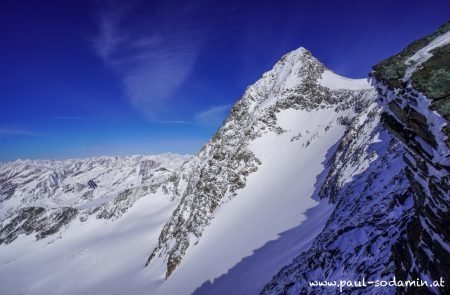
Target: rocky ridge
390,221
214,175
417,111
42,197
387,177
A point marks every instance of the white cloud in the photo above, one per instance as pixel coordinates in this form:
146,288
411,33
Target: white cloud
152,62
108,39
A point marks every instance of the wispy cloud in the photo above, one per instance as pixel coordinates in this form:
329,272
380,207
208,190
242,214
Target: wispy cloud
213,116
83,118
153,54
14,131
180,122
109,37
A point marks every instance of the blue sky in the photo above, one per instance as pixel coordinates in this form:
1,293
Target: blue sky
87,78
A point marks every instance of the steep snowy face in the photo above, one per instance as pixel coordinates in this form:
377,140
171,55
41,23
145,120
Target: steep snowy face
309,179
414,89
391,218
289,118
41,197
366,182
254,181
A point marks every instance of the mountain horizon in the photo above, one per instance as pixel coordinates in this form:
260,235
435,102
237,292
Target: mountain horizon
116,79
312,184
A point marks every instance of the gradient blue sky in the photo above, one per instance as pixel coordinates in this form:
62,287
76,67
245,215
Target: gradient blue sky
86,78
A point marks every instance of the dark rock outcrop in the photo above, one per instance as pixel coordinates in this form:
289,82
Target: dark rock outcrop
392,220
221,168
40,197
43,222
92,184
417,111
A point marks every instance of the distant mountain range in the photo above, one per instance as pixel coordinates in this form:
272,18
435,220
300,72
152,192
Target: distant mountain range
312,177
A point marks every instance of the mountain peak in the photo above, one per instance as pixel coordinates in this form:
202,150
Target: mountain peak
301,51
297,55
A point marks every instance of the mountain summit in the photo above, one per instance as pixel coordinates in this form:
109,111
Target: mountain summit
312,177
295,113
391,220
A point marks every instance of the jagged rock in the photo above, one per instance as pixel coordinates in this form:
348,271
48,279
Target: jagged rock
37,220
356,240
387,178
392,218
41,197
220,169
425,87
92,184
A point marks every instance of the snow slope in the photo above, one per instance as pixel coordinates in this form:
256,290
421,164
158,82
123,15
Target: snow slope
253,190
274,200
308,179
56,184
334,81
101,248
389,180
91,257
290,122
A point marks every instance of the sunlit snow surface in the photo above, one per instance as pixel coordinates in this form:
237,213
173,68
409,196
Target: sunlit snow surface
334,81
97,256
94,257
274,200
250,237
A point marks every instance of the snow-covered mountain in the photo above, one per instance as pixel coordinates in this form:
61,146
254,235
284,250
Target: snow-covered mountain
392,220
259,174
67,225
309,178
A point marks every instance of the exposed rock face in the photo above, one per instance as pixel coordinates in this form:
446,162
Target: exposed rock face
417,110
392,219
215,174
425,65
370,214
92,184
42,197
35,220
386,175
